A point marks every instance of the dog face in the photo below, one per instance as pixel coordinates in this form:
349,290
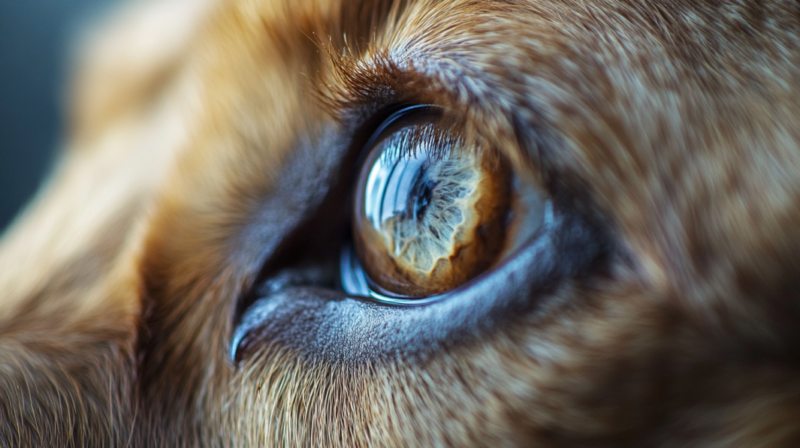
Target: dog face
620,267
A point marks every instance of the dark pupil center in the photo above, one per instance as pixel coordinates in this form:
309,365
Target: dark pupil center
420,195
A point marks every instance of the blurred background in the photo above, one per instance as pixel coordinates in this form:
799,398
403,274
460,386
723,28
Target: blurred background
36,38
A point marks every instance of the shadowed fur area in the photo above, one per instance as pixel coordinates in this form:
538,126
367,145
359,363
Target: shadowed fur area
204,133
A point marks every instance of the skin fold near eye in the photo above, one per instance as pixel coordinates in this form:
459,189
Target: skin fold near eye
432,213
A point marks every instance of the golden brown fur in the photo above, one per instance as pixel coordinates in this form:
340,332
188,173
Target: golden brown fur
678,123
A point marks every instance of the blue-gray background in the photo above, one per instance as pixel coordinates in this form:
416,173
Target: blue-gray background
35,37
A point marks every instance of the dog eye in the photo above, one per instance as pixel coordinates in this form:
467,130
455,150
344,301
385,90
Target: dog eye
432,212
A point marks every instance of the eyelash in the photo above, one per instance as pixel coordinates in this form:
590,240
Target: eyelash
435,143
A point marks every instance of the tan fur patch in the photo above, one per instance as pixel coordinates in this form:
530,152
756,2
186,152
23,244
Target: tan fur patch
675,124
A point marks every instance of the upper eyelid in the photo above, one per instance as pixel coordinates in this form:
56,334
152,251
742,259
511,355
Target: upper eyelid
362,86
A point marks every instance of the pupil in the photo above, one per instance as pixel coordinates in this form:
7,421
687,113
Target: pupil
420,196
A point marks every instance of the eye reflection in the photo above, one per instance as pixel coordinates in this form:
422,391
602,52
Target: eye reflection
398,187
432,213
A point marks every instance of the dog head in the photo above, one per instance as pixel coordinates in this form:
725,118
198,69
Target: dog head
186,276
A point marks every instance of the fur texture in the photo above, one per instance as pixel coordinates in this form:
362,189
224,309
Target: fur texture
676,123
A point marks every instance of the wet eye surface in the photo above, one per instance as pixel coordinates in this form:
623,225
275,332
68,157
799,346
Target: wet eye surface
432,212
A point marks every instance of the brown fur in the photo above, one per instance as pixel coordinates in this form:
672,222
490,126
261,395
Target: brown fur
676,122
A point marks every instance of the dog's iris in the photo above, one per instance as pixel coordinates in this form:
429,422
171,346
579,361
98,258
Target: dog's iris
431,212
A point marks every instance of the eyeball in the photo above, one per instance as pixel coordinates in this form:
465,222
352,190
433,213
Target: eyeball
432,212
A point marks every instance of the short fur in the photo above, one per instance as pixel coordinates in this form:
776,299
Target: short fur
676,122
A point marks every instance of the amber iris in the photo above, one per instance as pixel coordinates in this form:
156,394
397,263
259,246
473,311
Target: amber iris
431,213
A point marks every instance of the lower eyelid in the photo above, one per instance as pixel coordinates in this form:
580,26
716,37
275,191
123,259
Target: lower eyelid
341,328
